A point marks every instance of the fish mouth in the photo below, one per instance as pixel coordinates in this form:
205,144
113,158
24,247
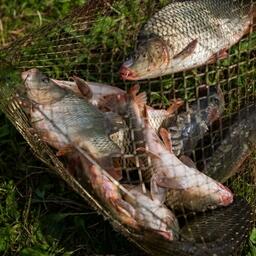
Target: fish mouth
25,74
227,198
127,74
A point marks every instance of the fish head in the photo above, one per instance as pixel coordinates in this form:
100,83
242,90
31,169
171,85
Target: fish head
39,87
151,59
219,196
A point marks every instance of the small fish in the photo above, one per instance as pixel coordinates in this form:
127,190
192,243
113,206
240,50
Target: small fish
92,91
63,119
151,214
237,146
187,34
178,184
188,127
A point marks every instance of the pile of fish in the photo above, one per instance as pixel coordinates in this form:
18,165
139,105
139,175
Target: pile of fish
96,126
69,116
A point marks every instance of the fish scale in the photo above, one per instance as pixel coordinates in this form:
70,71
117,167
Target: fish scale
184,35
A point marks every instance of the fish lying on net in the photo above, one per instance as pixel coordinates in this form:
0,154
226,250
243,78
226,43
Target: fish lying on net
236,147
62,118
187,34
181,186
188,127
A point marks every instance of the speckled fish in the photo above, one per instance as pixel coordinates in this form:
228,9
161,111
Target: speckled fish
63,119
92,91
179,185
151,214
237,146
188,127
188,34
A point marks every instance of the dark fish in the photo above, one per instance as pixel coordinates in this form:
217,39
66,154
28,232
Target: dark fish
236,147
187,128
187,34
225,230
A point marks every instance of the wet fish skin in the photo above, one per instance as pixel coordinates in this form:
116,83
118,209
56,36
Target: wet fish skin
187,34
151,214
188,127
63,118
237,146
96,91
179,185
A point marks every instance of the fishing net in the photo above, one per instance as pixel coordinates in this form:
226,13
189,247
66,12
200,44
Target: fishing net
92,43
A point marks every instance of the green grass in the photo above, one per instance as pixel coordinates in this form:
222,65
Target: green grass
39,214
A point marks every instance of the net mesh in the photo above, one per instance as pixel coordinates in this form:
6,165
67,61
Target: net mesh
92,43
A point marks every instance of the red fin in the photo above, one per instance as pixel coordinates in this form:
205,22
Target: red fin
222,54
175,105
133,91
187,51
165,135
187,161
65,150
83,87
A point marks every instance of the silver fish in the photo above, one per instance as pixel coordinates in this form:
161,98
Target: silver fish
178,184
187,34
63,119
151,214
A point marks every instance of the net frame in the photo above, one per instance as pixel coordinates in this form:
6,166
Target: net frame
20,120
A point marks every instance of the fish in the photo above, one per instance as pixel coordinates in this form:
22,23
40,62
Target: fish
92,91
108,192
188,127
237,145
188,34
153,215
65,120
177,184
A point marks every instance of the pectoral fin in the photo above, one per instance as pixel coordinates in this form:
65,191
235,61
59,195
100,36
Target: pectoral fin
83,87
187,161
187,51
165,135
170,183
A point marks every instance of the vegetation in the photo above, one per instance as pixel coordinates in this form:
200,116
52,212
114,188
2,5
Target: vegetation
39,214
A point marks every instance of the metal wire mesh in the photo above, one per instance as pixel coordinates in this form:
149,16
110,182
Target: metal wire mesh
92,43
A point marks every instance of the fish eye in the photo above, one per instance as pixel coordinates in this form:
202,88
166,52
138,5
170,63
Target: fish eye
45,80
